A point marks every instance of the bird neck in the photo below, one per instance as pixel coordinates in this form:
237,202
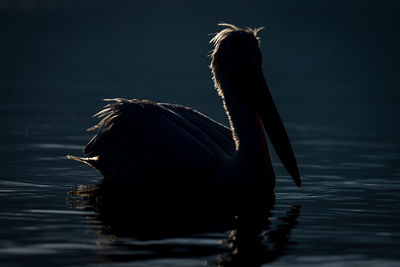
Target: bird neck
246,126
251,159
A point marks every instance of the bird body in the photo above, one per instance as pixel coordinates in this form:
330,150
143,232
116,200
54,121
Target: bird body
143,142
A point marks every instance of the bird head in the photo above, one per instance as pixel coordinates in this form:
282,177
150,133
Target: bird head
236,56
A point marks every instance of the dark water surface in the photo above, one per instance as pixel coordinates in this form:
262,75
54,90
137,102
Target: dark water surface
347,212
332,69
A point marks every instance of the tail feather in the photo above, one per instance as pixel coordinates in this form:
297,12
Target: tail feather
89,161
95,163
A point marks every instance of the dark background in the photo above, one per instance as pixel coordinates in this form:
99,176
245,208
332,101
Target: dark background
331,62
332,67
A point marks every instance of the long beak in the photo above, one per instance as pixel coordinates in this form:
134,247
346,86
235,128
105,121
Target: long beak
273,125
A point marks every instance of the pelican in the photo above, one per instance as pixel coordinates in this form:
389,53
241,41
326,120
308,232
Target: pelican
147,143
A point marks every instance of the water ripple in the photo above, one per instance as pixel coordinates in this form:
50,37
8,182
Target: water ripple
57,146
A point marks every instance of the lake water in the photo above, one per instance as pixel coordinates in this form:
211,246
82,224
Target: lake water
332,69
346,214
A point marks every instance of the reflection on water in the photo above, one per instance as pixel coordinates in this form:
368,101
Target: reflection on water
255,241
139,227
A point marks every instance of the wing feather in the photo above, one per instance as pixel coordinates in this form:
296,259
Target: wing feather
125,127
221,134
